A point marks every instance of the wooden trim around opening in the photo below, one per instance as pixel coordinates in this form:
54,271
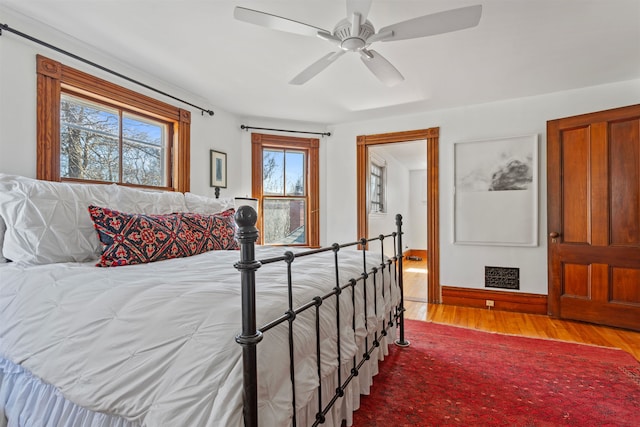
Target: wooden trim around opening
432,138
503,300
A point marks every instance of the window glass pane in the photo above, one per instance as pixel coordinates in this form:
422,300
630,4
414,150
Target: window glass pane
88,140
284,221
376,188
143,151
273,172
295,173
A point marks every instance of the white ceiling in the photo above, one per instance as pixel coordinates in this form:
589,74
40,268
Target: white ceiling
520,48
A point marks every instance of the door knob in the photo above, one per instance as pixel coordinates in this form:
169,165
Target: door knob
554,235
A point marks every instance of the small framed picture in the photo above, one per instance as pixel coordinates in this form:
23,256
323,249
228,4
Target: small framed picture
218,169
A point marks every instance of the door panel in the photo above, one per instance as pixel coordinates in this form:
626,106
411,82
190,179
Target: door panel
575,280
625,198
620,293
593,173
574,178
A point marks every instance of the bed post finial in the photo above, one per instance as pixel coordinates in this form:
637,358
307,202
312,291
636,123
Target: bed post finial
401,341
247,236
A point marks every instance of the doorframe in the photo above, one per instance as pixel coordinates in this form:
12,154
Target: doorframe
432,138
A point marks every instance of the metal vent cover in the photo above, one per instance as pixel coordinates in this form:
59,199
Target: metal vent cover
502,277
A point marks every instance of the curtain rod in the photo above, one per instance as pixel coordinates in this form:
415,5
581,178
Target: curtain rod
243,127
86,61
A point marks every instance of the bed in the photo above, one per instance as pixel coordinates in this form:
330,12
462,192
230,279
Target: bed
157,343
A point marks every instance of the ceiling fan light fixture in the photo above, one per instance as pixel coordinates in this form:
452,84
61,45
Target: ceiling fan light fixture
353,44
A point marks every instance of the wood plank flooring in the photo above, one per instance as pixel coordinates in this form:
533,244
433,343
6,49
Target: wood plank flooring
528,325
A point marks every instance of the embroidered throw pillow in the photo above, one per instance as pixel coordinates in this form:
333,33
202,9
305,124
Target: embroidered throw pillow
138,238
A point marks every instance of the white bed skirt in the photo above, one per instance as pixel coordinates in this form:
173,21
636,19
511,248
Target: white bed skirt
26,401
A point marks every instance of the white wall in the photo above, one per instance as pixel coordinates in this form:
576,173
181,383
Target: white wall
464,265
417,218
397,200
18,106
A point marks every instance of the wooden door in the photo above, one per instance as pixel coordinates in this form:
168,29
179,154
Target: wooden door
593,173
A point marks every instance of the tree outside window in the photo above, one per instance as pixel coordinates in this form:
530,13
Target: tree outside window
284,202
103,143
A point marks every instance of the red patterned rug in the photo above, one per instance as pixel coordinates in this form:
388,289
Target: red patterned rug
457,376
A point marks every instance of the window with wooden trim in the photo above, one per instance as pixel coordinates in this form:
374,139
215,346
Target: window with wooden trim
286,183
95,131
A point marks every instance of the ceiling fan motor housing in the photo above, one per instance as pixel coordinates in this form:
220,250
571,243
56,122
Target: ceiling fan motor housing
353,42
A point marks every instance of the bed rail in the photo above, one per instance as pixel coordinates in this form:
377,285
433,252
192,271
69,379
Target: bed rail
247,235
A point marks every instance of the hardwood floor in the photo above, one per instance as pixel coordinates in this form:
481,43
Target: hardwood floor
528,325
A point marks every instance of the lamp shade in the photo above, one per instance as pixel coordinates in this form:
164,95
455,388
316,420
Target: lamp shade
246,201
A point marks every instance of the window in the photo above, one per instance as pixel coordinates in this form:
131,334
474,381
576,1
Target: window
377,180
285,181
103,143
93,130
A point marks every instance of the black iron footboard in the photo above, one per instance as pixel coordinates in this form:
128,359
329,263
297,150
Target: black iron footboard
249,338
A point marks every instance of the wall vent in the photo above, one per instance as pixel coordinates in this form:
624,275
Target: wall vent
502,277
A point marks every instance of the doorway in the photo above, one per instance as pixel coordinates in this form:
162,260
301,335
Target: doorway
431,136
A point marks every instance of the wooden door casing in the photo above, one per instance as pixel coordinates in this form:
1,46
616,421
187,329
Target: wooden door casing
432,138
593,173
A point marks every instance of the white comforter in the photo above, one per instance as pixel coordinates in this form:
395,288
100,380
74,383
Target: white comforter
155,343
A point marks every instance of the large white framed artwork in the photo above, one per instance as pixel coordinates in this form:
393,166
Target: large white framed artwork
496,192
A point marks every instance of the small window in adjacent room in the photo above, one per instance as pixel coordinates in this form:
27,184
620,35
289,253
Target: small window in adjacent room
377,184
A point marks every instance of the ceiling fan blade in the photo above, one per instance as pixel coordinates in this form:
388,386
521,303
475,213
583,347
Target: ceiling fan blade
381,68
436,23
361,7
315,68
275,22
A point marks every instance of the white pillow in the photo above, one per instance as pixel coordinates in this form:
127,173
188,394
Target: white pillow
2,229
48,222
133,200
207,205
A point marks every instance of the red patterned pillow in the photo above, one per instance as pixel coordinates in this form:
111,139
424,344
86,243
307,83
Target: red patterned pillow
137,238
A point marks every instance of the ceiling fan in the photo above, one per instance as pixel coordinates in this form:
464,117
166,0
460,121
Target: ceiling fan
355,34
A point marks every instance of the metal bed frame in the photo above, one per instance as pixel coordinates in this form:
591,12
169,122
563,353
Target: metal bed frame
247,234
